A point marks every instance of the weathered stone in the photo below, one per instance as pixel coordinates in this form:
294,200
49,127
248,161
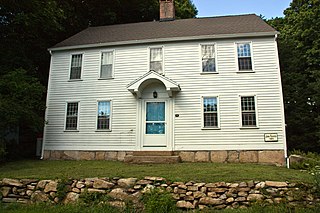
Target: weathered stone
193,188
29,192
250,184
189,193
119,194
30,187
233,156
80,185
176,196
118,204
276,184
220,206
11,182
223,197
219,156
83,155
189,198
278,200
76,190
55,155
272,157
216,185
240,199
187,156
201,156
177,190
153,178
71,198
245,189
260,185
147,188
5,190
242,194
210,201
42,183
254,197
198,194
217,190
248,157
137,187
102,184
269,201
230,200
212,194
127,182
94,191
243,185
112,156
70,155
185,204
52,194
28,181
46,154
182,186
39,196
14,190
144,182
201,207
51,187
234,185
56,200
121,156
23,201
199,184
9,200
100,155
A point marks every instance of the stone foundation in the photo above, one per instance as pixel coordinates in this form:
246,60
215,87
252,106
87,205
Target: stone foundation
274,157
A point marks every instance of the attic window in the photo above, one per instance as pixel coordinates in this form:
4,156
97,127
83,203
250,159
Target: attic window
156,59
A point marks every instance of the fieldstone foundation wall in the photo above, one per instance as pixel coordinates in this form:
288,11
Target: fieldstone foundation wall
188,195
275,157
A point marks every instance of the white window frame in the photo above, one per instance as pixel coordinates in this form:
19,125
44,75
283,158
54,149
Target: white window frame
256,111
65,117
82,64
149,58
202,112
237,59
97,114
215,58
113,63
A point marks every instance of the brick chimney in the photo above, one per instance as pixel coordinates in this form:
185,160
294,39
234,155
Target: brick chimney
167,12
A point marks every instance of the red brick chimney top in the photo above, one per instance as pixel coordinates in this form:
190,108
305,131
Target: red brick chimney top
167,11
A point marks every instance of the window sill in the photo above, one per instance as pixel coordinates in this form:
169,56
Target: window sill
249,127
210,128
71,130
106,78
208,73
71,80
103,130
245,71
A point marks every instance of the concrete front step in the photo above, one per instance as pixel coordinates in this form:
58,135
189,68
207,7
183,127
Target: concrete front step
152,159
153,153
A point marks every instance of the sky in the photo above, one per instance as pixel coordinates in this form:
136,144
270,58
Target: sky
267,8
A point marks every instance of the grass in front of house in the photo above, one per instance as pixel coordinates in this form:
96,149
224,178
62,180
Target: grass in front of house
202,172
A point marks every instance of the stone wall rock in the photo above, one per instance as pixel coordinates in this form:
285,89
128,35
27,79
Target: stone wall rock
188,195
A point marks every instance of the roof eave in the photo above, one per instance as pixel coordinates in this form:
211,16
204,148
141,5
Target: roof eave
186,38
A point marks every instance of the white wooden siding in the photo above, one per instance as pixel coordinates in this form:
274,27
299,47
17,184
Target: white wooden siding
182,64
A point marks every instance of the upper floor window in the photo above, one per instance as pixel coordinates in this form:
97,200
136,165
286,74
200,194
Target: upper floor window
208,58
106,64
244,56
104,112
156,59
248,111
72,116
76,66
210,112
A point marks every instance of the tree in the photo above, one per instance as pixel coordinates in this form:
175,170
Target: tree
299,48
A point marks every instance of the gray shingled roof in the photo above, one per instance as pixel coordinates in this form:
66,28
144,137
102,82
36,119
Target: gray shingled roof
224,25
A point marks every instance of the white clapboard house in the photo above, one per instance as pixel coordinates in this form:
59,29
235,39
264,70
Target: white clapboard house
201,89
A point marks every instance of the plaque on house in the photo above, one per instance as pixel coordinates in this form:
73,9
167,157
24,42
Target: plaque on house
271,137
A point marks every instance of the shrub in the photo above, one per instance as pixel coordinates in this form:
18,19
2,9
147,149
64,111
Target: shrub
159,201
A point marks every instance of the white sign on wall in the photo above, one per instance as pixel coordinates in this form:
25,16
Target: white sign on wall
271,137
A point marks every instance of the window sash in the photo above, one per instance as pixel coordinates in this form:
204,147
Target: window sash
244,56
76,65
72,116
103,115
106,64
156,59
210,112
248,111
208,58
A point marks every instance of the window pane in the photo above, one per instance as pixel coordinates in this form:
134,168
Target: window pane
244,50
76,63
107,58
248,111
244,56
209,104
247,103
155,128
106,71
72,116
103,115
156,66
210,120
210,112
245,63
156,62
208,61
155,111
208,65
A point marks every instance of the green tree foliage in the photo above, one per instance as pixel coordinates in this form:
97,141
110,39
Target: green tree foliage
299,48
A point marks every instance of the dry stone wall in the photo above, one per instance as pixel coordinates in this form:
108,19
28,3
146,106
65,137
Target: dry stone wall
188,195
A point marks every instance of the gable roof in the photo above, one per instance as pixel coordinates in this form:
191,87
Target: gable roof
182,29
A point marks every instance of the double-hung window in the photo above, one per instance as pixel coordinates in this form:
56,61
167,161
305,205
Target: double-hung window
248,111
208,58
156,59
210,112
72,116
244,56
103,115
106,70
76,66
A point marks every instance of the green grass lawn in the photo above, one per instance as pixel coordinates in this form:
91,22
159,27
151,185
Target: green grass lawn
203,172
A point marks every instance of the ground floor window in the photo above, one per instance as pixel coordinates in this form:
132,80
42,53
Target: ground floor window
103,115
248,111
72,116
210,112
